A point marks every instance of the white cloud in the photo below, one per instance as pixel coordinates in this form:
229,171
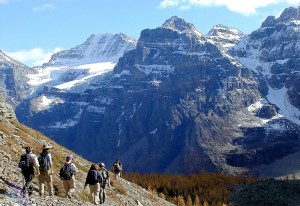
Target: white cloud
43,7
3,1
241,6
293,2
33,57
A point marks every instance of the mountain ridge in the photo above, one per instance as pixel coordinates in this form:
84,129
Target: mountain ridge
97,48
181,97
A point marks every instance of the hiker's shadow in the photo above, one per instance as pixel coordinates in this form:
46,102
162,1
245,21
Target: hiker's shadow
10,184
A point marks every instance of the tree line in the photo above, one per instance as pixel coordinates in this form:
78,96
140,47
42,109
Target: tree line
209,189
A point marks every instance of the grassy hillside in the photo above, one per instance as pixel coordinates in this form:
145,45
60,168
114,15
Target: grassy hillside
14,136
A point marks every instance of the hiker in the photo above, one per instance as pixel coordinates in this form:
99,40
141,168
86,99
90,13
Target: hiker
28,162
67,175
46,171
106,182
117,169
94,179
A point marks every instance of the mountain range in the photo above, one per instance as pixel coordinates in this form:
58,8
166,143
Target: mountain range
176,100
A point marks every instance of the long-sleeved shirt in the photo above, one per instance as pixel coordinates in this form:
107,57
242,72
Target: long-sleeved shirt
35,161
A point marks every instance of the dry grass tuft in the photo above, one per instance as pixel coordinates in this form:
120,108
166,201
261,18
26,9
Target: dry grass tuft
117,185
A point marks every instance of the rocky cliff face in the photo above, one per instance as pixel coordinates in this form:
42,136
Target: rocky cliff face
14,136
13,80
271,52
184,102
177,89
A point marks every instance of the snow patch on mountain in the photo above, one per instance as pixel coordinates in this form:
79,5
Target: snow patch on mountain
93,71
64,125
67,78
257,106
279,97
50,100
252,62
155,69
225,36
44,102
96,109
67,123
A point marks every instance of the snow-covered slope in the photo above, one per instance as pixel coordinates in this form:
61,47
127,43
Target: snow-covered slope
97,48
272,52
73,70
225,36
73,79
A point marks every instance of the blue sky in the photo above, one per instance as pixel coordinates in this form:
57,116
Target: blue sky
31,30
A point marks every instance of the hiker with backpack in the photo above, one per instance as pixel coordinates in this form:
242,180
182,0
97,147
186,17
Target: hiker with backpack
117,169
106,182
28,162
46,171
67,175
94,180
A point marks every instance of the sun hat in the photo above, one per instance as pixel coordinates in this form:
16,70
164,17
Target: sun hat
28,149
46,147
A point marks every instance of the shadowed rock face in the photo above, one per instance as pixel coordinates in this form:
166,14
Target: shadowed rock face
162,109
264,145
180,102
13,81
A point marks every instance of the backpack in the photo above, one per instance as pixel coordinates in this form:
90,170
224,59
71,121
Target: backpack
26,162
117,167
104,174
93,177
43,161
66,172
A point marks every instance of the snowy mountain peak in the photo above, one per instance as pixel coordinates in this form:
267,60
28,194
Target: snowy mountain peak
220,29
178,24
8,60
97,48
224,35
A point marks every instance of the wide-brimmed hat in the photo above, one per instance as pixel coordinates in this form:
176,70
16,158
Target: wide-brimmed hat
47,146
101,164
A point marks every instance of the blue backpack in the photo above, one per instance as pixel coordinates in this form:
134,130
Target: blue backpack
93,177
